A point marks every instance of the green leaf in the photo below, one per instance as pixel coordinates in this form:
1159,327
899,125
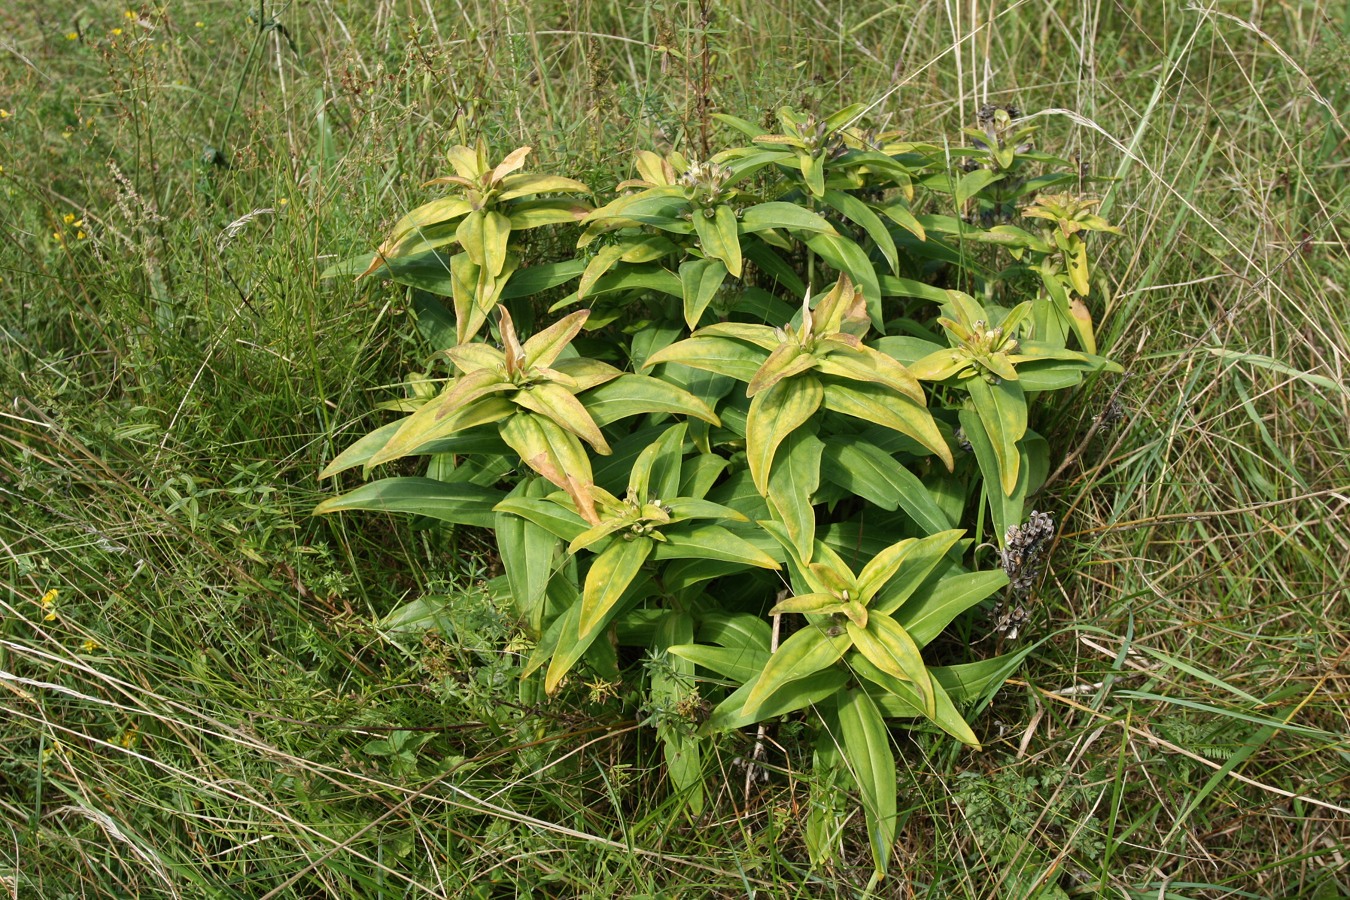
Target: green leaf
554,453
804,653
537,279
359,452
558,404
883,407
702,541
556,520
861,214
611,573
424,426
700,279
866,747
723,356
879,570
892,286
635,395
813,173
899,699
461,503
719,237
969,681
496,235
920,558
656,474
1002,409
889,647
526,551
792,483
933,607
846,256
770,263
739,665
972,183
783,215
774,414
899,213
602,262
866,470
789,697
526,214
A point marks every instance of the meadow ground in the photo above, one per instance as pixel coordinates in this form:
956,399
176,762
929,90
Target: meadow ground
204,693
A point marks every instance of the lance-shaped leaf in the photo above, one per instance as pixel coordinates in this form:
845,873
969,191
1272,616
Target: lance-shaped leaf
719,236
700,279
783,215
712,354
861,214
580,374
932,609
458,502
881,407
863,468
900,699
425,425
1002,409
611,573
846,256
543,348
496,234
867,365
701,541
556,454
866,747
890,648
740,665
525,184
733,712
471,388
808,604
805,653
552,517
633,395
527,552
774,414
786,360
566,411
889,579
512,162
664,456
792,483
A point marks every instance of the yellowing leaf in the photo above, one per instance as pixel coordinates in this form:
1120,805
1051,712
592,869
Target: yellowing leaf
774,414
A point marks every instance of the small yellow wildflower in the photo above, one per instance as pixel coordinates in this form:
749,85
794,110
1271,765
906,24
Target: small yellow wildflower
72,35
116,32
90,645
129,738
4,114
56,236
130,15
282,201
80,235
48,601
68,218
200,24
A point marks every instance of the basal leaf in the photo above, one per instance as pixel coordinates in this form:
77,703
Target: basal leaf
866,747
610,574
739,665
933,607
805,653
882,407
792,483
460,502
890,648
794,695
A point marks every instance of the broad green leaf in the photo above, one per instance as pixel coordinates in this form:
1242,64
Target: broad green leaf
969,681
883,407
972,183
773,265
556,454
634,395
861,214
537,279
565,410
920,558
732,712
649,277
524,185
899,699
581,374
892,286
871,367
713,354
468,389
1002,409
669,687
700,279
602,262
864,469
792,483
739,665
700,473
425,425
526,551
866,747
701,541
890,648
682,508
735,630
610,574
359,452
807,604
442,209
783,215
813,173
785,361
774,414
685,574
469,233
555,519
544,347
718,235
460,502
662,455
934,606
805,653
846,256
762,336
885,565
496,235
526,214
